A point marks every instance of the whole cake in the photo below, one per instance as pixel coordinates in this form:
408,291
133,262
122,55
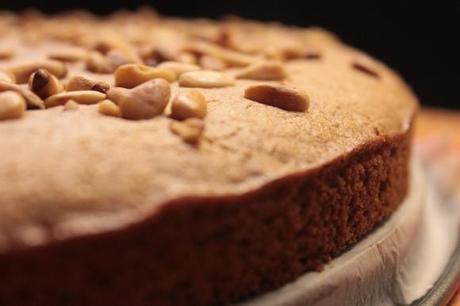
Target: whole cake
157,161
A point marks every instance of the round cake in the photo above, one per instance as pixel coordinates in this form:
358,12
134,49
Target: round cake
159,161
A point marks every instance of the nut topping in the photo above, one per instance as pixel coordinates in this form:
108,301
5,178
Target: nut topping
116,58
189,130
205,79
81,97
264,71
98,63
131,75
6,76
190,104
186,58
71,105
156,55
81,83
22,72
101,86
179,67
44,84
70,55
232,58
12,105
144,101
109,108
33,101
6,53
278,96
209,62
116,49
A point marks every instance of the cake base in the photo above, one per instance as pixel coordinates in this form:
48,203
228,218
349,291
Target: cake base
394,265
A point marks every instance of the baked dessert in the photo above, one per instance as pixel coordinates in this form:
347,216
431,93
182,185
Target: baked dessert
187,162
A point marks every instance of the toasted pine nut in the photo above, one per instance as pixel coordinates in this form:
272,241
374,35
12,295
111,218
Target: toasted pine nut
81,97
44,84
209,62
145,101
98,63
179,67
12,105
278,96
205,79
7,76
186,58
265,71
70,55
131,75
78,82
232,58
189,130
22,72
33,101
109,108
190,104
71,105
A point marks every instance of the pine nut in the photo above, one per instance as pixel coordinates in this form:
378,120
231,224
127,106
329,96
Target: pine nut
44,84
179,67
22,72
209,62
264,71
98,63
12,105
278,96
71,105
70,55
109,108
189,130
81,97
190,104
131,75
6,76
78,82
33,101
144,101
205,79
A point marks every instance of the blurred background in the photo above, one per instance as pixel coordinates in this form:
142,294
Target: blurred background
418,39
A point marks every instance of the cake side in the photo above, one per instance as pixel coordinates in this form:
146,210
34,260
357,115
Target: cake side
217,250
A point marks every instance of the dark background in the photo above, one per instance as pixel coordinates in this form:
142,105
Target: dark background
419,40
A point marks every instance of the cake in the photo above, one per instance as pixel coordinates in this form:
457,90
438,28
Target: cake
158,161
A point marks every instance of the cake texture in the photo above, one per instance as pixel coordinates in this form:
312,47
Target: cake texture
187,162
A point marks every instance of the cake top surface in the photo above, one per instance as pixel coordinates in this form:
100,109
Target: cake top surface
67,170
